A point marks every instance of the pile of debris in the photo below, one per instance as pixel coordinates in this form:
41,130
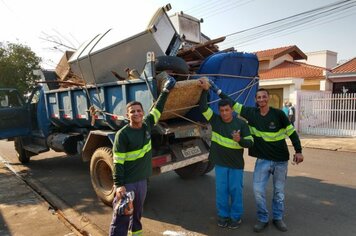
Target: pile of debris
96,61
193,56
65,76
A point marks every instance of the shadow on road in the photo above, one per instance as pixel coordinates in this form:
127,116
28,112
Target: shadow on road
312,207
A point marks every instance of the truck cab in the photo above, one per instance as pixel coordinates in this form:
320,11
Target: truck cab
14,114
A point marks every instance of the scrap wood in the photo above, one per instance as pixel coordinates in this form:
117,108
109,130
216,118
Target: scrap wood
208,47
195,55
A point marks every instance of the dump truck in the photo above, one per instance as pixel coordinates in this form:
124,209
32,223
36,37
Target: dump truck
81,118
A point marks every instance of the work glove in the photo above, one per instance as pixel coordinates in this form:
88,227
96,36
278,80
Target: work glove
169,84
214,87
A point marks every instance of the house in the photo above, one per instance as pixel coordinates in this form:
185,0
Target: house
323,92
343,77
285,70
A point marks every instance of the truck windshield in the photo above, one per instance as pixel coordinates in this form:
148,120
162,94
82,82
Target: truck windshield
10,98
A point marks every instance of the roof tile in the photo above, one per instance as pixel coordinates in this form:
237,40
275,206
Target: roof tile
272,52
349,66
292,69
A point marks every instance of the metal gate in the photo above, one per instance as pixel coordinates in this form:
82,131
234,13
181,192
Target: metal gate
323,113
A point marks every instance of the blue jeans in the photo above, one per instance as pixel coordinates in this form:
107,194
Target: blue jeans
263,170
229,186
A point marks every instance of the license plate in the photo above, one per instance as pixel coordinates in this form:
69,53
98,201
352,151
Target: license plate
191,151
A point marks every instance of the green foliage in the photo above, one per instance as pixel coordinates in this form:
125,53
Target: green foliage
17,63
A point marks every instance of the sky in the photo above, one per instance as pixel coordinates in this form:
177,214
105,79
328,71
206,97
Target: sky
72,22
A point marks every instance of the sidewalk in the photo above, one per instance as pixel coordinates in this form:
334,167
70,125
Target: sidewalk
23,212
327,143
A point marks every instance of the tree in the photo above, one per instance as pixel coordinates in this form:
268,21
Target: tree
17,63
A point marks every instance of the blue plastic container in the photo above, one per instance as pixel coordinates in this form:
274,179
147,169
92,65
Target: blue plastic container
235,73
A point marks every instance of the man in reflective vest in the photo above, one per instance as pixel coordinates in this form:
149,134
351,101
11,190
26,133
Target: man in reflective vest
269,127
229,136
132,161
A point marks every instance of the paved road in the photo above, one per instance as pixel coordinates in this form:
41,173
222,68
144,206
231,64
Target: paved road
320,196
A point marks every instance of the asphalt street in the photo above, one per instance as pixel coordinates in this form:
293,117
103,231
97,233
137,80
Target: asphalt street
320,197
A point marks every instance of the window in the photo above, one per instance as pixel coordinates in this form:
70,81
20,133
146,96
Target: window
10,98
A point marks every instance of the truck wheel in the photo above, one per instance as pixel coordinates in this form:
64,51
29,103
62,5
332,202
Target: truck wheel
192,171
22,155
209,168
174,64
101,169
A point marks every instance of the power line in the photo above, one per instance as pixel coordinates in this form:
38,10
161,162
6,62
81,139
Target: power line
299,28
199,6
207,8
210,9
228,8
290,17
293,23
288,23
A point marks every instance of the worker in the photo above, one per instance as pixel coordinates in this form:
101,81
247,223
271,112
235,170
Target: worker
229,136
269,127
132,150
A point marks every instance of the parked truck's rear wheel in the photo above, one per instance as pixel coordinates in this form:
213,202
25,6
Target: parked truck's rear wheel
101,169
209,167
22,155
193,170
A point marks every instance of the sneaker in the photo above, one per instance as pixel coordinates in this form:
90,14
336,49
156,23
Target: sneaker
280,225
223,222
235,224
260,226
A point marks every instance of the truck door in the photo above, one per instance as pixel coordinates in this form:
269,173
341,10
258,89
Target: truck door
14,114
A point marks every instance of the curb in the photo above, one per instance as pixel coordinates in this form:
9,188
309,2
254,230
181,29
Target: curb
71,219
80,223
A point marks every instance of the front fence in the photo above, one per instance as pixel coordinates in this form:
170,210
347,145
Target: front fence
323,113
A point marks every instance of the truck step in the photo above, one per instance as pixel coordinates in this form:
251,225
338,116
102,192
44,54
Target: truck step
35,148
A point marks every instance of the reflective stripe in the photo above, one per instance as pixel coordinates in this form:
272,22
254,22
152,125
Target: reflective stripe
121,157
237,107
138,233
156,114
290,130
208,113
270,136
249,138
225,142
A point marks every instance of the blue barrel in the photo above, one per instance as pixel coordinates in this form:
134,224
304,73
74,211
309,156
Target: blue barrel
236,73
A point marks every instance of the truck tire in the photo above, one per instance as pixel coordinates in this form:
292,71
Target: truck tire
209,168
174,64
101,172
22,155
192,171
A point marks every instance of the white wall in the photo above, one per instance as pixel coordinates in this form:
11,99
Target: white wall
289,86
326,59
326,85
266,65
280,60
